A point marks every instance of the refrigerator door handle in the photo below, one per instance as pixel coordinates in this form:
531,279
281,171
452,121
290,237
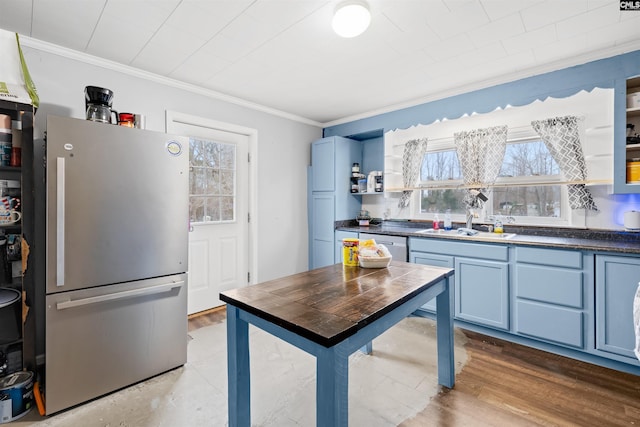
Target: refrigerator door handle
60,199
120,295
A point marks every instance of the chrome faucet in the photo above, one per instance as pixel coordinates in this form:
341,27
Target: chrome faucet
469,219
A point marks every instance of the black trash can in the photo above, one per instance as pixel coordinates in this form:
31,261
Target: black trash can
10,315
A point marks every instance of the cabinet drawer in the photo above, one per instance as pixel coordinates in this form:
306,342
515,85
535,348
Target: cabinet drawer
550,323
464,249
431,259
549,284
552,257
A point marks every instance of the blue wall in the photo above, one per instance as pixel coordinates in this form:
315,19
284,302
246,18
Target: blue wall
604,73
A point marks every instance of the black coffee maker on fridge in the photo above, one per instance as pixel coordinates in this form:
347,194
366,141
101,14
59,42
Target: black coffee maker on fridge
97,101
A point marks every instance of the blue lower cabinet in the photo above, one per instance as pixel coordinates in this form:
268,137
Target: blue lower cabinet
435,260
549,299
482,292
544,297
617,280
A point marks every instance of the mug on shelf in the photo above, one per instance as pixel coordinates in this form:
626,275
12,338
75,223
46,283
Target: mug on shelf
8,217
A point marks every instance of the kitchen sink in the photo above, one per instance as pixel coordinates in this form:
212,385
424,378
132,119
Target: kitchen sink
474,234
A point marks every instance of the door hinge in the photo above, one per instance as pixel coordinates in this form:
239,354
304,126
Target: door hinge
248,217
249,157
248,277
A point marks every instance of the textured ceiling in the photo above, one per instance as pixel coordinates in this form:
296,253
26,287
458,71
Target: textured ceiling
282,54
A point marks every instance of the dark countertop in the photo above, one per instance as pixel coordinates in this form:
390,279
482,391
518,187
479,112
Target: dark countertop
330,304
592,240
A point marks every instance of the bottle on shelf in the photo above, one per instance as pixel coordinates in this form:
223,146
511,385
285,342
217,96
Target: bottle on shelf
16,148
436,222
6,138
379,182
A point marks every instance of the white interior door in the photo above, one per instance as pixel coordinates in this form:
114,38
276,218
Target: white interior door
219,243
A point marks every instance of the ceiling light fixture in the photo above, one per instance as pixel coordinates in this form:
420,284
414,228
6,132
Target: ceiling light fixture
351,18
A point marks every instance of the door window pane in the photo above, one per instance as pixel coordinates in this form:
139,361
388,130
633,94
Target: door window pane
212,181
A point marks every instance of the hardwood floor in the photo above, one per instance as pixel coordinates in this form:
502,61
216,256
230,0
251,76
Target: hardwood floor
207,318
506,384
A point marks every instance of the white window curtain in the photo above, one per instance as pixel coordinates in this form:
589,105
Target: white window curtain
561,136
480,154
414,151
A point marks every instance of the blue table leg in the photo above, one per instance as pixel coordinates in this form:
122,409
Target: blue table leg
238,369
367,348
332,382
444,330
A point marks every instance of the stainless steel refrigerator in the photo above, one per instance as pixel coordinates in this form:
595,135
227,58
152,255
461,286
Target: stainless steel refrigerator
117,222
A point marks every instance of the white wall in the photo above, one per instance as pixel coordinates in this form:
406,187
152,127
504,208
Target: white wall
283,144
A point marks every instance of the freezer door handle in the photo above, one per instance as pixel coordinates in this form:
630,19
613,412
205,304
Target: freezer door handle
60,186
120,295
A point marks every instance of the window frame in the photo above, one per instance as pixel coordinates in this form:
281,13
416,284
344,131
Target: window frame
447,144
220,169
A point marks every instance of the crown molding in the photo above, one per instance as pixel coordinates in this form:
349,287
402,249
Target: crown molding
136,72
482,84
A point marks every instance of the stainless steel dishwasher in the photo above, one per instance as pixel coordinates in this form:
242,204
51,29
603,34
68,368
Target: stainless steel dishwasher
397,245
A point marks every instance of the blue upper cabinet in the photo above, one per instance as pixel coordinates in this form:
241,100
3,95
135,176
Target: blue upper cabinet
323,165
331,161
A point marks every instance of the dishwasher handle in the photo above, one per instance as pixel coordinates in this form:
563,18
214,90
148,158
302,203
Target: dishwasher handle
119,295
382,242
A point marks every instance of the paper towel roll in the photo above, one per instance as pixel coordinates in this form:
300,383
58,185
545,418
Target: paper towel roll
632,220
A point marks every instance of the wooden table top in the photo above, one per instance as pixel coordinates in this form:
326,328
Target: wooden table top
329,304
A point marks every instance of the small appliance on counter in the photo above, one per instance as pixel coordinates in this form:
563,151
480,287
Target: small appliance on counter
631,220
363,218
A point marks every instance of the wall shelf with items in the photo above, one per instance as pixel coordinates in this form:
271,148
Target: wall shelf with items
369,184
17,351
632,139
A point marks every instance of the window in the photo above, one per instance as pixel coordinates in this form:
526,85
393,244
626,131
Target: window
525,187
441,167
212,181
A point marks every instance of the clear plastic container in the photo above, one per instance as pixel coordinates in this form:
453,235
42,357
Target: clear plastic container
447,220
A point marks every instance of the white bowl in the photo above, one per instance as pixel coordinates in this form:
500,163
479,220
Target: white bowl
375,261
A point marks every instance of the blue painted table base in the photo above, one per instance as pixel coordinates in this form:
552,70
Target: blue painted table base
332,362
